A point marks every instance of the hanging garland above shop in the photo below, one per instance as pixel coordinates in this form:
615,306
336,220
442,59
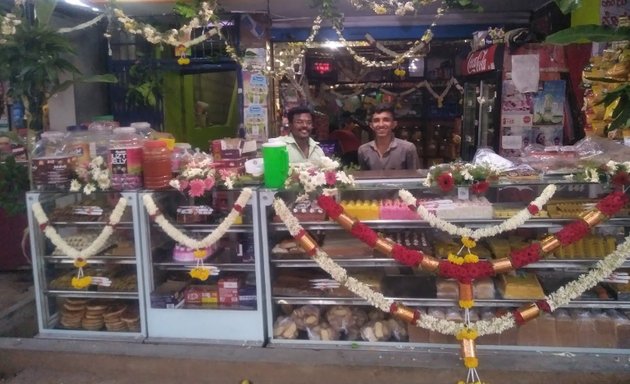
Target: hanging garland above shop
358,89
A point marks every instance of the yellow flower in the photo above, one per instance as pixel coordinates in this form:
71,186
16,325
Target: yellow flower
453,258
466,304
466,333
471,362
379,9
199,253
468,242
471,258
183,61
80,262
199,273
81,282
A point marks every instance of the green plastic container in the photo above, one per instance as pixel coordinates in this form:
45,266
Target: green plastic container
275,163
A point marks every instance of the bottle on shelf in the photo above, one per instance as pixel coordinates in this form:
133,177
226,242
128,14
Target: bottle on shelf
125,159
156,164
52,163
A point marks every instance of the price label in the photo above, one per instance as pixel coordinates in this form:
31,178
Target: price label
462,193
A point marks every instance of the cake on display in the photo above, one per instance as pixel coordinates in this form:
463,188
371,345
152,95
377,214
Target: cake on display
185,254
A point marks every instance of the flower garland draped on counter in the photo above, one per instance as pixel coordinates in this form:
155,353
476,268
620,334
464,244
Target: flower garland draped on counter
199,271
80,257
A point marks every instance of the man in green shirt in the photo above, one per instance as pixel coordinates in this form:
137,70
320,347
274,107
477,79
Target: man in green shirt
301,147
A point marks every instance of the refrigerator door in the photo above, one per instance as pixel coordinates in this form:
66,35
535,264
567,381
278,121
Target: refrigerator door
488,128
469,120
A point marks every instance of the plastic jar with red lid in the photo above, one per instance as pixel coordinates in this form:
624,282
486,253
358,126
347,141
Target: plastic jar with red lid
156,164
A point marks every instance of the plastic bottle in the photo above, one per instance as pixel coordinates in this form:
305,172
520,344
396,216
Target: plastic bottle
125,159
78,144
276,162
180,157
51,163
142,128
100,135
156,164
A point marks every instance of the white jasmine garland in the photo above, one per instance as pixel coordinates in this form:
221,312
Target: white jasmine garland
99,242
483,327
177,235
510,224
602,269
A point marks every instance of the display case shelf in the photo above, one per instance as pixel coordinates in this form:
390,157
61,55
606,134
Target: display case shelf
181,314
61,313
497,303
385,262
292,278
92,294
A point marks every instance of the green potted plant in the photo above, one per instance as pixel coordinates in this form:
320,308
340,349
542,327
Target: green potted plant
14,183
33,56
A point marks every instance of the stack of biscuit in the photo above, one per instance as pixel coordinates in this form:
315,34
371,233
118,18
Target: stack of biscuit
131,318
93,318
72,313
112,317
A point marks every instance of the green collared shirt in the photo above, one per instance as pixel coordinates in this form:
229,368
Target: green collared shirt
401,154
296,155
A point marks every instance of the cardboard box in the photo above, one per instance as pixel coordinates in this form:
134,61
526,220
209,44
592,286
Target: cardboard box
202,294
231,148
228,291
230,163
170,294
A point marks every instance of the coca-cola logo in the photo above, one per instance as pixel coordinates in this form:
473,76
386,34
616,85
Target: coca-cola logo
480,61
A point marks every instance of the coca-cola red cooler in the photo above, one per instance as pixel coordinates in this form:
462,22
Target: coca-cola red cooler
481,75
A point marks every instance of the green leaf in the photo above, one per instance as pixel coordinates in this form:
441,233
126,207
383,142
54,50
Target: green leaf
184,10
589,32
44,10
106,78
568,6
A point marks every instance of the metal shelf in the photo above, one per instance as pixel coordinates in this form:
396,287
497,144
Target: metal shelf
613,304
183,266
470,223
387,262
93,294
93,260
237,228
121,225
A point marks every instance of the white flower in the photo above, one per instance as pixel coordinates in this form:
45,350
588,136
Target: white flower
175,184
75,185
612,166
88,189
466,175
97,161
229,183
319,179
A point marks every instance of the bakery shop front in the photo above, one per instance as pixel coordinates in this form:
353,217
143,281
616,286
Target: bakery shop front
504,238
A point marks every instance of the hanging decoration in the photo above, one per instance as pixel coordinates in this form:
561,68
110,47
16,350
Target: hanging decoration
361,88
199,271
80,257
174,37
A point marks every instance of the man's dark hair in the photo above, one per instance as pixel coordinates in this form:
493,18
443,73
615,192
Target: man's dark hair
384,107
298,111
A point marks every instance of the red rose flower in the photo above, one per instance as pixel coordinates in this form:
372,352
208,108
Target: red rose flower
480,187
620,179
406,256
445,181
612,203
331,177
533,209
328,204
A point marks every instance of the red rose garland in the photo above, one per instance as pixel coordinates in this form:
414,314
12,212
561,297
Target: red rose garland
328,204
364,233
612,203
526,255
572,232
406,256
